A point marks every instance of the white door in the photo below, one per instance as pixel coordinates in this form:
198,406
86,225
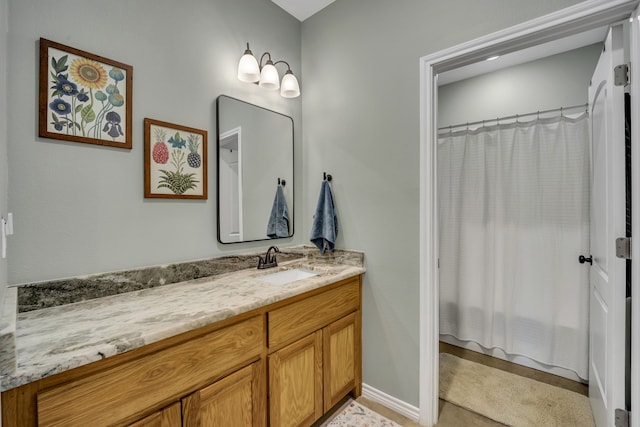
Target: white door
230,186
607,278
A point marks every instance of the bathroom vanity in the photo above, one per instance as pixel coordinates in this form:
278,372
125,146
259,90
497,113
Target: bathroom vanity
234,349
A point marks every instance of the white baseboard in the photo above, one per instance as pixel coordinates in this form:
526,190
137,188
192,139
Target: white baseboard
402,408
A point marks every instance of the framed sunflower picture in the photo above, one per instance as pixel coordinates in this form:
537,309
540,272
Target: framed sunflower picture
175,161
84,97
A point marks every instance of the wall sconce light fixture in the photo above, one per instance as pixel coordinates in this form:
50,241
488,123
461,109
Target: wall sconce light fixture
266,76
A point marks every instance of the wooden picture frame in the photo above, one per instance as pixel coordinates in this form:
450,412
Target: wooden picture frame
175,161
84,97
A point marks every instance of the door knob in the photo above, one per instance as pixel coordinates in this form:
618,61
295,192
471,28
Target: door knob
582,259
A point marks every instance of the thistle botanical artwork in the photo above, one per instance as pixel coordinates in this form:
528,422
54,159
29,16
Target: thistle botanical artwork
175,161
83,97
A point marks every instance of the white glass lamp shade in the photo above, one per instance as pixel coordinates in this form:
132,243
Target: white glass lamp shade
248,68
290,87
269,78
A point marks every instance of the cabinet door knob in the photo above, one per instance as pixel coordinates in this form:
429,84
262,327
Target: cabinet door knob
582,259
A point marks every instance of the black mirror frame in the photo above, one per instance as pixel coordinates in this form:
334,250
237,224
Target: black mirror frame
293,170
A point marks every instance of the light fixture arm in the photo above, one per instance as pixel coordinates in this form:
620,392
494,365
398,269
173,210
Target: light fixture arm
284,62
268,60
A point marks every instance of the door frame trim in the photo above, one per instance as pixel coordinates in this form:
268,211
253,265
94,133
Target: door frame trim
581,17
635,214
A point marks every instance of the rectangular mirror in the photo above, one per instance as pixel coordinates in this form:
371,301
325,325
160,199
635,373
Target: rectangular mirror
255,172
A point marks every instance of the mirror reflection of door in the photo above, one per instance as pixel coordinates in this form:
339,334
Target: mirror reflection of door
231,185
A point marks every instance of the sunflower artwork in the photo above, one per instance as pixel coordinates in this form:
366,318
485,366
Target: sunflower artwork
84,97
175,161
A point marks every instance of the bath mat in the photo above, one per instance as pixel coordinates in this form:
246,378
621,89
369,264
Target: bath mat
508,398
352,414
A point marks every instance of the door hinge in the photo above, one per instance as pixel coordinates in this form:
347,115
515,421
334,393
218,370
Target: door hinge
622,418
621,75
623,247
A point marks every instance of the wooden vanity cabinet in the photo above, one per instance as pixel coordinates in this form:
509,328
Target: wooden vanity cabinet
285,364
309,375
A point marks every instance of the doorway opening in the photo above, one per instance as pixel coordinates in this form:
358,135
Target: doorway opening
231,212
574,20
514,210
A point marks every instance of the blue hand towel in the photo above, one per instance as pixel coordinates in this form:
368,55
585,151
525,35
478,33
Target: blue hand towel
279,219
324,230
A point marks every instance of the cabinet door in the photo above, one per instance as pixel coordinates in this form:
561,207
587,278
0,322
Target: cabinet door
234,401
342,359
295,383
168,417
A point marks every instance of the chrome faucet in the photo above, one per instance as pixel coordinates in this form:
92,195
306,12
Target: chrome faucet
269,260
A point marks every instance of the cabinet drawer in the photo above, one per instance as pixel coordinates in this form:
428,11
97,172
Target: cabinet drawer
120,393
303,317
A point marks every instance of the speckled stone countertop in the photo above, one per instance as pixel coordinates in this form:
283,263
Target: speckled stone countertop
66,291
62,337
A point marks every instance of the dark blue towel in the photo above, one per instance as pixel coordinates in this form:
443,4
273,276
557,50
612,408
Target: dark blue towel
279,219
324,230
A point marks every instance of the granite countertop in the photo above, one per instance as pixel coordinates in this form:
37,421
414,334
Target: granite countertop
58,338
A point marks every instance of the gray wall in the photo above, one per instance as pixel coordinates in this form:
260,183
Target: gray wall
361,123
79,208
4,174
557,81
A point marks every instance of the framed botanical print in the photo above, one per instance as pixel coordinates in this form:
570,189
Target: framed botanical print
175,161
84,97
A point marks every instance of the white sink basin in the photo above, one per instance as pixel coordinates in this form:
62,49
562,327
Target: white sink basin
287,276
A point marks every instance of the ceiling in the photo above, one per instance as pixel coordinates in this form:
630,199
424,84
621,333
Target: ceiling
522,56
302,9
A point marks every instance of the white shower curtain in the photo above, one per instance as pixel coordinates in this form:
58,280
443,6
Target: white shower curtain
514,217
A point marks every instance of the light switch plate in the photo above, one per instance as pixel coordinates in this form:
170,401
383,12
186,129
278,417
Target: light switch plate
9,224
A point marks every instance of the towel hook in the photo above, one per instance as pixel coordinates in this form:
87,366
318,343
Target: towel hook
282,182
327,177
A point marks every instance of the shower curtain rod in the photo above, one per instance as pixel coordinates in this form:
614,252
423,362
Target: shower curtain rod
516,116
